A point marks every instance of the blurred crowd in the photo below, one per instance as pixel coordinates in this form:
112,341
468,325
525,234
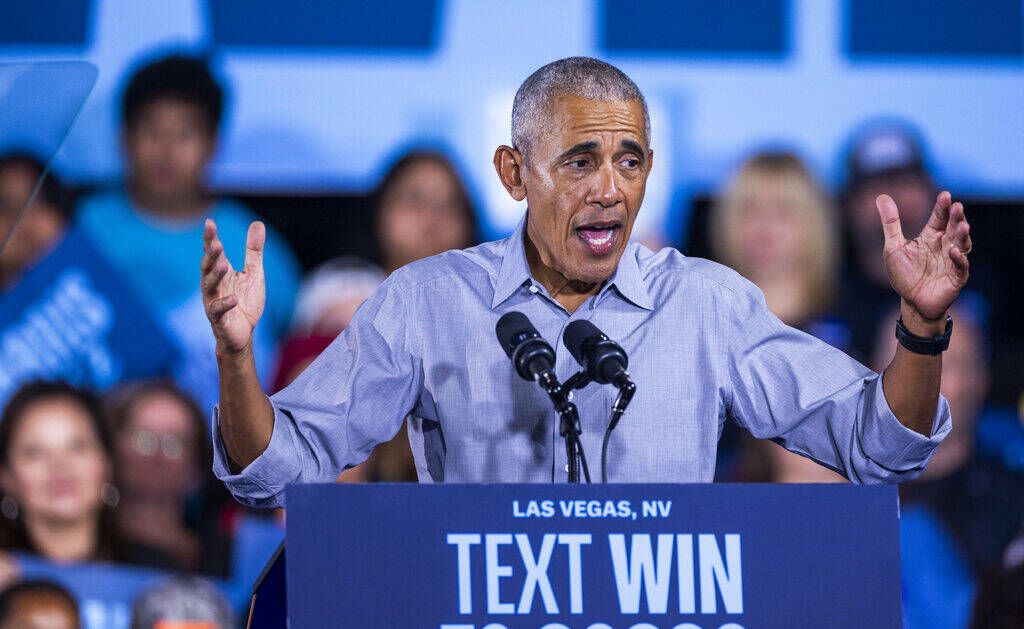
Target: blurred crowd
105,451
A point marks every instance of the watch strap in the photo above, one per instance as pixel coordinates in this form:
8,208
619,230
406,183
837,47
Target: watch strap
928,345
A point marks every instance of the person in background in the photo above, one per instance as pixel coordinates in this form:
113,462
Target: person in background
185,602
56,472
163,458
152,229
422,209
885,157
979,501
43,223
38,605
775,226
326,301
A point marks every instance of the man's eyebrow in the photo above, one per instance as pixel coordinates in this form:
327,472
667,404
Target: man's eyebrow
582,147
635,147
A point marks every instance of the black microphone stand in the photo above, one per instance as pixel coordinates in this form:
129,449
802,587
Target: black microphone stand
569,420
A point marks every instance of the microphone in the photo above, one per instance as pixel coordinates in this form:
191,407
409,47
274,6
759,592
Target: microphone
531,355
603,359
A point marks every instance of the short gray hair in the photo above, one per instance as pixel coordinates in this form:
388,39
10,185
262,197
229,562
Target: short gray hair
182,599
573,76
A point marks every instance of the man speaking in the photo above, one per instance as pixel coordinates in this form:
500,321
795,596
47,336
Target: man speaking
703,345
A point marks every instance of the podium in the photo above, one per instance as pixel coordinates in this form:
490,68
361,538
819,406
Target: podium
586,556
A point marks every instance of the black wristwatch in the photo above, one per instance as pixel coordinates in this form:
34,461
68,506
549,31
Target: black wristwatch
924,344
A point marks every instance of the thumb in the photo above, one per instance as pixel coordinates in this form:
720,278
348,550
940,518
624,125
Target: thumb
254,242
890,216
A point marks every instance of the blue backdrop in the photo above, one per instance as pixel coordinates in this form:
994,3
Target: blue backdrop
322,93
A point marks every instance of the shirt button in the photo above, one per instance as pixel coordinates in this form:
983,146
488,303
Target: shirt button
569,397
534,289
566,467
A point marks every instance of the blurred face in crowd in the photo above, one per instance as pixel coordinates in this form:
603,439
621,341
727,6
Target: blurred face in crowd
156,450
768,228
40,610
56,466
914,197
38,230
336,315
584,178
422,214
168,146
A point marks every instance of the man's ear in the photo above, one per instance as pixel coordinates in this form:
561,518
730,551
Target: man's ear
508,163
650,160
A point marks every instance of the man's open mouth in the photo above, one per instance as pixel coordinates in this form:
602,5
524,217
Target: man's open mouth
599,238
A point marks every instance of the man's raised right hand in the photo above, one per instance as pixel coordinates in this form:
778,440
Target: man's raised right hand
233,299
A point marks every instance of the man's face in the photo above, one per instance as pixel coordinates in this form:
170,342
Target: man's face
584,178
168,146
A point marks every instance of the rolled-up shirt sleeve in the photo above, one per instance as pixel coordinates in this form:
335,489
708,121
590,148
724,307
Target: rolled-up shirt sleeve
353,397
815,400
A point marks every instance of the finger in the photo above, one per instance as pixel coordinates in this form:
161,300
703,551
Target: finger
963,237
890,216
254,242
211,281
959,261
218,307
209,233
211,257
959,230
940,213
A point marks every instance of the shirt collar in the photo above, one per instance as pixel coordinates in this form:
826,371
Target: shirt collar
515,271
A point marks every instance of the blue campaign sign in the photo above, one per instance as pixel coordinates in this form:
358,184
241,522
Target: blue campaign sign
73,317
593,556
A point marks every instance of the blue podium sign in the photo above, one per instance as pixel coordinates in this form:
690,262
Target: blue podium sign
593,556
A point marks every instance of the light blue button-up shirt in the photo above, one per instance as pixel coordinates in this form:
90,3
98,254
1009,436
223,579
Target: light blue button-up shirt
702,347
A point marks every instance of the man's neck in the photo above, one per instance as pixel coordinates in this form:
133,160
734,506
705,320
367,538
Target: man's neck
569,293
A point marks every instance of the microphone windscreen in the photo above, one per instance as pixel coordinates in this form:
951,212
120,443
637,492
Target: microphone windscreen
509,326
576,334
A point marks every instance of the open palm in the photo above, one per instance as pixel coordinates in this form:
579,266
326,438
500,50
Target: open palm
929,271
233,299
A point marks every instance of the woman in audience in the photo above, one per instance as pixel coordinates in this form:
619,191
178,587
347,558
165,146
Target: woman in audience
56,472
163,458
422,209
776,227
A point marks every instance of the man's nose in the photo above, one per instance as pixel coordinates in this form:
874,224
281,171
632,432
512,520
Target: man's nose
607,191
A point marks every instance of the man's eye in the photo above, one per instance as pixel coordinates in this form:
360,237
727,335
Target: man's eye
631,162
579,163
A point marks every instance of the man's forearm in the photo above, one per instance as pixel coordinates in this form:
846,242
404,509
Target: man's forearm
246,417
911,382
